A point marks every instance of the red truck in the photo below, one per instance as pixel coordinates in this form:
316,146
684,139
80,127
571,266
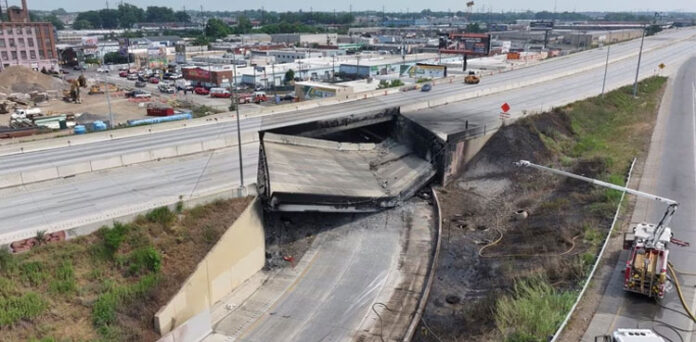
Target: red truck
159,110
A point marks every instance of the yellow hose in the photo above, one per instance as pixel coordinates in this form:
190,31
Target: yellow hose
681,295
480,252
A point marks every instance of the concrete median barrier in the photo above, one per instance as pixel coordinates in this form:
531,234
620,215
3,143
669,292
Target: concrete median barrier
104,163
10,179
73,169
39,175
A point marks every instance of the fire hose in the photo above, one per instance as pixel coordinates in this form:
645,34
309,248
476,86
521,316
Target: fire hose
679,291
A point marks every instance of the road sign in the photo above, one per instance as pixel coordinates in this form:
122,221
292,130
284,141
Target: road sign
505,107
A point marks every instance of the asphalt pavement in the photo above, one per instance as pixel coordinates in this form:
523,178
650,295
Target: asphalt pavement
670,172
66,203
621,51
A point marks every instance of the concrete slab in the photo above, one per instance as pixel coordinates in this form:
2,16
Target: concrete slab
324,175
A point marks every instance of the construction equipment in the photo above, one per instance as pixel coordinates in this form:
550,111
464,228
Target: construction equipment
646,267
101,88
471,78
72,94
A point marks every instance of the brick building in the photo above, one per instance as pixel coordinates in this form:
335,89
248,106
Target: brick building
22,42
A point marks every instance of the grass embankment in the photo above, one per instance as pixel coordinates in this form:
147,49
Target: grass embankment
609,131
106,286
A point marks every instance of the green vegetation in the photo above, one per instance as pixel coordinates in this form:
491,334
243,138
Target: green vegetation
423,80
605,135
533,311
126,15
105,285
383,84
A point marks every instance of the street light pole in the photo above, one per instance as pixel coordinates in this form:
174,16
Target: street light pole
235,101
606,67
108,98
640,54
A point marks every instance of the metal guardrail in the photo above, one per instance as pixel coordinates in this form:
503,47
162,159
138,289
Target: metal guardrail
557,335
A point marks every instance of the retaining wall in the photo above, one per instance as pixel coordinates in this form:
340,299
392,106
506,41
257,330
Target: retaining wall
238,254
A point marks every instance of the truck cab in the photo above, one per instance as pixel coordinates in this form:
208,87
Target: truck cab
630,335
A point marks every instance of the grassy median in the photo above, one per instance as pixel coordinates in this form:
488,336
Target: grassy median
606,132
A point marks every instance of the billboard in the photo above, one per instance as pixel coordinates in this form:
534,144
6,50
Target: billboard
478,44
195,74
421,70
90,41
123,44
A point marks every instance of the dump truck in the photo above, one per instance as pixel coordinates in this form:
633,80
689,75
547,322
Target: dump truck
471,78
646,268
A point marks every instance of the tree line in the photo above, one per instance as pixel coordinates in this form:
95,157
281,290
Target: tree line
126,15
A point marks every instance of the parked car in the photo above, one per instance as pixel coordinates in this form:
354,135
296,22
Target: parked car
426,87
201,91
166,88
123,74
132,77
138,93
140,84
78,68
175,76
154,80
260,96
219,92
289,96
103,70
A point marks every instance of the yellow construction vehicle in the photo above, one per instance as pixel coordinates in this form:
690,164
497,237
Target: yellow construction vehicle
101,88
471,78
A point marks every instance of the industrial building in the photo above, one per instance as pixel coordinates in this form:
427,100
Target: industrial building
22,42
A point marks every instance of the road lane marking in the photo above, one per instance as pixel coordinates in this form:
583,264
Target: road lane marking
693,150
613,321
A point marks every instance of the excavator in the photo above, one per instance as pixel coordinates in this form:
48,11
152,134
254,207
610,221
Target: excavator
647,266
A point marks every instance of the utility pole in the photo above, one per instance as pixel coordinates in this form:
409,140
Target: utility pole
333,68
273,76
235,102
606,67
640,54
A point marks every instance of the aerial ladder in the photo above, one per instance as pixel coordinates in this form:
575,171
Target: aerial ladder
646,267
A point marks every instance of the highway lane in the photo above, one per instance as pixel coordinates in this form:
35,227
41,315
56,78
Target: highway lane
66,155
154,184
451,118
93,197
670,172
359,260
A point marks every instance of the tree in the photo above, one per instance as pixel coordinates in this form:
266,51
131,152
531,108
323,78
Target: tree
289,76
244,24
129,14
216,28
93,17
652,29
182,17
117,58
57,23
109,18
201,40
82,24
473,28
159,14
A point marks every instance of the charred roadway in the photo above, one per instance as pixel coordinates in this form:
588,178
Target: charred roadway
670,171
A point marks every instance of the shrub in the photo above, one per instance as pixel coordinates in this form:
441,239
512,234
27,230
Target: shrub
533,311
114,237
146,258
161,215
25,307
64,279
33,272
104,308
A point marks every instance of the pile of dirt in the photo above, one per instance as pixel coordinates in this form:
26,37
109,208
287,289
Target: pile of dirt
19,79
